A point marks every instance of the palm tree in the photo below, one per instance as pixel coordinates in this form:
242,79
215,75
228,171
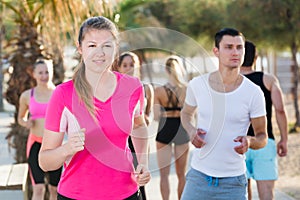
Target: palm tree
42,29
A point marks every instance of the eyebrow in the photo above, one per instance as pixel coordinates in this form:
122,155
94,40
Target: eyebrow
105,42
238,45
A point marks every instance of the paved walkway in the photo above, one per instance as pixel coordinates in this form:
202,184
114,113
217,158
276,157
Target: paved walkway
152,188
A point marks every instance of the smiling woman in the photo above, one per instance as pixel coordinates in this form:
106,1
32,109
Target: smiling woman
97,110
32,110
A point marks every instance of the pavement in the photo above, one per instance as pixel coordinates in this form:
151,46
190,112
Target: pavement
152,188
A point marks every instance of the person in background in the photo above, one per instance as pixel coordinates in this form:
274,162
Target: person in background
262,164
226,103
32,111
98,109
171,137
129,63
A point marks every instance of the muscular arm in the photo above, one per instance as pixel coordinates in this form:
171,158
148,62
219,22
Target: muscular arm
281,118
188,119
187,115
254,142
260,130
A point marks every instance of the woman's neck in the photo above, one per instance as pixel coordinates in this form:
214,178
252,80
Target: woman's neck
172,81
47,86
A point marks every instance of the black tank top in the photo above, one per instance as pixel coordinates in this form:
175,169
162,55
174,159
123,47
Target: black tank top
257,78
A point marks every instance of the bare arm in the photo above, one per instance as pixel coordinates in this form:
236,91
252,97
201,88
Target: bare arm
23,119
254,142
150,100
157,104
259,125
281,117
139,139
187,116
53,154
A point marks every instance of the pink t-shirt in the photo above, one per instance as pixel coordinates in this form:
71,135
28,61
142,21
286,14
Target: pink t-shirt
103,170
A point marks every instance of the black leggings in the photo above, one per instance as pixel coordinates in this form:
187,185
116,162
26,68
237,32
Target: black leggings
135,196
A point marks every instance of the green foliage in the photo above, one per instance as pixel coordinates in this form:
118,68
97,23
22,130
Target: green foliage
275,22
131,14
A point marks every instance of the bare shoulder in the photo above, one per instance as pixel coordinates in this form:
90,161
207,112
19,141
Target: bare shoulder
159,89
26,94
25,97
148,88
269,80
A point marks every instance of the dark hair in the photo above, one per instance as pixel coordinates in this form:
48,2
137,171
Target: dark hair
250,54
134,57
226,31
39,61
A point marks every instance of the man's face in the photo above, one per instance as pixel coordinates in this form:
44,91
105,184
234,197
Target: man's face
231,51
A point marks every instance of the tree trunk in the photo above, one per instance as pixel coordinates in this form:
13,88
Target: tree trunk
295,70
1,67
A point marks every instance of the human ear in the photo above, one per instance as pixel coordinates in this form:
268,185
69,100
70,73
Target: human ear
216,51
78,46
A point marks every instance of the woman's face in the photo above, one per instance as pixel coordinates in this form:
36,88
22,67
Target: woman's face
127,66
98,49
42,74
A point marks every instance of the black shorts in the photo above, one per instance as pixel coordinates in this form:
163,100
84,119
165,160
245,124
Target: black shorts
170,131
36,173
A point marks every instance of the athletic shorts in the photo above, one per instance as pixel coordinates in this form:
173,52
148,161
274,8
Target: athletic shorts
262,163
37,175
170,130
201,186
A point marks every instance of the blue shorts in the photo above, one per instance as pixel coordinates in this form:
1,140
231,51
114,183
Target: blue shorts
262,163
200,186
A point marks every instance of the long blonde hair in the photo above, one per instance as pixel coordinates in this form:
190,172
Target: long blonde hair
175,69
82,87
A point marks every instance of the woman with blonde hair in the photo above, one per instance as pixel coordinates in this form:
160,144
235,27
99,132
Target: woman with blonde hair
98,109
168,101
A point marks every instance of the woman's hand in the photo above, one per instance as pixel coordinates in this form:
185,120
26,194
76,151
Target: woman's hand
75,142
143,175
29,123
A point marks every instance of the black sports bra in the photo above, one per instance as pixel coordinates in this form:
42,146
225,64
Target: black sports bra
173,102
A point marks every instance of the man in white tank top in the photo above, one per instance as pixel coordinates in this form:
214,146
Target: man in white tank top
225,103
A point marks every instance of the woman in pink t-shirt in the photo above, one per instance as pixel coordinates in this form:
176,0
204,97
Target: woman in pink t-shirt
97,110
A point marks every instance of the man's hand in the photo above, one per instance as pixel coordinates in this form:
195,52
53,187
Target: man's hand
282,148
198,138
243,147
